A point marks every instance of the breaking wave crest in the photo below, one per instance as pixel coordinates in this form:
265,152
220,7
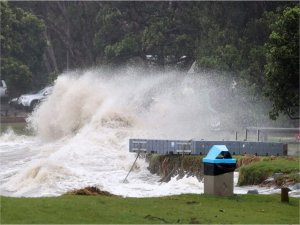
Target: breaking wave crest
169,103
82,132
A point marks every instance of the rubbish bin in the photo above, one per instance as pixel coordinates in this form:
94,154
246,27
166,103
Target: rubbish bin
218,171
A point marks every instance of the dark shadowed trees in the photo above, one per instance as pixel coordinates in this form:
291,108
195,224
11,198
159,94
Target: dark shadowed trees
254,43
282,68
22,48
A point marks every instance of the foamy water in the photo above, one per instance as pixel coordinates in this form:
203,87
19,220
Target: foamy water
82,132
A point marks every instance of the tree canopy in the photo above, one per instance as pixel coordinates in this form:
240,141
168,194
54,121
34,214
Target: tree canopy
22,47
254,43
282,68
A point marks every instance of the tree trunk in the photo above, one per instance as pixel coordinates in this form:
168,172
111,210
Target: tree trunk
50,55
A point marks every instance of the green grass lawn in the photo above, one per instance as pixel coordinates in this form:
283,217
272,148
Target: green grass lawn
189,208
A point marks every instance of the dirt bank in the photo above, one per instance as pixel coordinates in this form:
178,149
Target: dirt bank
9,114
12,119
167,166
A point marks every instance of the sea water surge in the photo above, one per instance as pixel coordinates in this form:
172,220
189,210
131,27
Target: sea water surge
82,132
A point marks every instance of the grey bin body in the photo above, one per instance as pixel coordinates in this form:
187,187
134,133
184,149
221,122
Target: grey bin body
218,171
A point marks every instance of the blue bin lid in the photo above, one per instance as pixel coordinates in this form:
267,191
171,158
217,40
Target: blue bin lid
213,154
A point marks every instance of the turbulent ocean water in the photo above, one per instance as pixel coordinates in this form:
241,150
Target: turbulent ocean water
81,134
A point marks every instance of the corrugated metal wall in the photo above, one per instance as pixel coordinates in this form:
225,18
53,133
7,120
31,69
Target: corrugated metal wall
193,147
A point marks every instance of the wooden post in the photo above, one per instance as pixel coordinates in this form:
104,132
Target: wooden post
285,194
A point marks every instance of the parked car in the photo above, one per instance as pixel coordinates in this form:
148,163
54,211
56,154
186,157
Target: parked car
3,89
30,101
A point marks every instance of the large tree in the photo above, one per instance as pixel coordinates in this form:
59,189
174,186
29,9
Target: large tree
118,34
282,68
228,37
22,48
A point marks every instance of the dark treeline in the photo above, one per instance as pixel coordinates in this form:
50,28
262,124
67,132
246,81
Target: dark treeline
255,43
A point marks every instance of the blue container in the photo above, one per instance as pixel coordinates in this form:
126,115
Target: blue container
218,161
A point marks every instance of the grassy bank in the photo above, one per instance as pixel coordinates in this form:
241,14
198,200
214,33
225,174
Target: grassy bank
257,172
253,169
174,209
19,128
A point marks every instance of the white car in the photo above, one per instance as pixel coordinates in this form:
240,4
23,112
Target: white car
3,89
30,101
